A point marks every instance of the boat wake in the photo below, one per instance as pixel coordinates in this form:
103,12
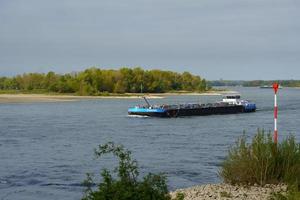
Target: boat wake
138,116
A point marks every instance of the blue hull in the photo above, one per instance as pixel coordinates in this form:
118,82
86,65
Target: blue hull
201,111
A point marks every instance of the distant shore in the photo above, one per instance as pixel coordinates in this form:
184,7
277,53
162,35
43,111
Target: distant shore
27,98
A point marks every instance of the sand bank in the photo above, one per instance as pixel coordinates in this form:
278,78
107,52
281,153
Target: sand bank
24,98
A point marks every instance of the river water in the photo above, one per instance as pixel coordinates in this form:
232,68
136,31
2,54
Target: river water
46,148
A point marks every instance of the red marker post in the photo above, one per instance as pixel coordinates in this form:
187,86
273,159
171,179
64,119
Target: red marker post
275,87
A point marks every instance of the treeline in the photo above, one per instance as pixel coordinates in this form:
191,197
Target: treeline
255,83
218,83
284,83
94,81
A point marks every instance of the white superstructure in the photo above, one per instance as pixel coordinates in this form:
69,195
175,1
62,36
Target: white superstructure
234,99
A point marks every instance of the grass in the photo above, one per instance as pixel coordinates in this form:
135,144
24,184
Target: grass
225,194
291,195
262,161
179,196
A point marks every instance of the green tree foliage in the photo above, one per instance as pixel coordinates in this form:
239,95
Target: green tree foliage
262,161
126,186
94,81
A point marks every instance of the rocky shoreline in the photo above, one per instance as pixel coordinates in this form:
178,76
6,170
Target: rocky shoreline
224,191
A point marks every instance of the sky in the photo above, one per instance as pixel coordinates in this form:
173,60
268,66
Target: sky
216,39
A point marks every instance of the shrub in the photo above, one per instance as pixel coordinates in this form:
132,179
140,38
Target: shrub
262,161
288,196
126,186
179,196
225,194
292,194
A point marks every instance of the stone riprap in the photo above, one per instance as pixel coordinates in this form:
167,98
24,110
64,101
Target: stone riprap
232,192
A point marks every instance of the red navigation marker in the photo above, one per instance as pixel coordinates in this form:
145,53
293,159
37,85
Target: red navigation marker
275,87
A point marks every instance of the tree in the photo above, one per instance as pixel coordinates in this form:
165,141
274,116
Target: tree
94,81
127,185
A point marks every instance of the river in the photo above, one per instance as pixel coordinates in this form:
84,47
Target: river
46,148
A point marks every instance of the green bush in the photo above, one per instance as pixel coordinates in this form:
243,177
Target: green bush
126,186
262,161
179,196
291,195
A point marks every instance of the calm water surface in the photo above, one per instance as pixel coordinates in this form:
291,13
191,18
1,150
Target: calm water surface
46,148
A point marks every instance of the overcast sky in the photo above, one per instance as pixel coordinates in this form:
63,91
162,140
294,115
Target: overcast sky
228,39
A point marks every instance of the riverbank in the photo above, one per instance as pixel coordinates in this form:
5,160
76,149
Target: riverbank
26,98
226,191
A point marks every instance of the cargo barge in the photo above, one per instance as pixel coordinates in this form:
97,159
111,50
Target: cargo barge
231,104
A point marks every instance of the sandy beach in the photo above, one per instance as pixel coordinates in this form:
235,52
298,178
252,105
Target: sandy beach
189,94
27,98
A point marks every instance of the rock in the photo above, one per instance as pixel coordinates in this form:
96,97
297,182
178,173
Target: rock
229,192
